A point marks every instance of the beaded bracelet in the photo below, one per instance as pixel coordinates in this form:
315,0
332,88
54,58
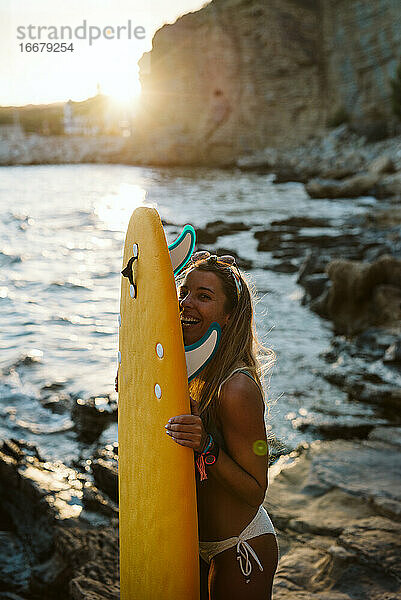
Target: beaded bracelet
207,457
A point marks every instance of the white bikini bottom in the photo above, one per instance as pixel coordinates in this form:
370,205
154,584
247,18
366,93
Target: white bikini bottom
260,524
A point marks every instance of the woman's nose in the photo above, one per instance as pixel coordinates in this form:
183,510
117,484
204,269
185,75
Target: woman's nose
186,300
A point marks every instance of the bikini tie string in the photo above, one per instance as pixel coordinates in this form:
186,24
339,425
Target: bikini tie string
242,555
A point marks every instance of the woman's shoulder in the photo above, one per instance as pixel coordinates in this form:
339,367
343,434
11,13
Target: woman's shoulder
241,391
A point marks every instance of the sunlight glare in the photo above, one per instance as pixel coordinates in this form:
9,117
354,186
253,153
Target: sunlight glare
115,210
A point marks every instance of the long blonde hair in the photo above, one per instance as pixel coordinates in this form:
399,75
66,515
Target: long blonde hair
239,345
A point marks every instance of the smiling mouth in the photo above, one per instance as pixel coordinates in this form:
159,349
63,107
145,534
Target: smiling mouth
189,321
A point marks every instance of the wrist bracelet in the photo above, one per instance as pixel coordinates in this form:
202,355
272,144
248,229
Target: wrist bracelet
207,457
208,444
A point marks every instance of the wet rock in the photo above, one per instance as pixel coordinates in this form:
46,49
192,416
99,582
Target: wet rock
364,294
374,540
312,264
92,416
339,172
390,218
372,343
287,173
319,304
302,221
315,284
329,501
335,429
20,449
15,571
95,501
269,240
215,229
42,502
91,559
57,403
53,386
356,367
351,187
105,473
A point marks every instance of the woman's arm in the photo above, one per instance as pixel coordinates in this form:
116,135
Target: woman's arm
244,471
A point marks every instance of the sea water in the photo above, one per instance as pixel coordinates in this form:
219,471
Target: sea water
62,232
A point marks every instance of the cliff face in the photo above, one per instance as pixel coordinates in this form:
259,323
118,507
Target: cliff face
240,75
361,47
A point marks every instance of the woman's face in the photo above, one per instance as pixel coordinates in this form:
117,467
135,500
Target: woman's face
202,301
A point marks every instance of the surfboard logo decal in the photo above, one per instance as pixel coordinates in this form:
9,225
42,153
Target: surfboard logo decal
198,355
181,249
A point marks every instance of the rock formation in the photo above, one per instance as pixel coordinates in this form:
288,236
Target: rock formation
239,75
364,294
337,511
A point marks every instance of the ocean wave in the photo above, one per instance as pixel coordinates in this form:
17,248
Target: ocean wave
39,429
71,285
32,357
8,257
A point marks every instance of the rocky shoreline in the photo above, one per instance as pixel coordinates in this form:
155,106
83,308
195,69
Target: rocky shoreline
335,502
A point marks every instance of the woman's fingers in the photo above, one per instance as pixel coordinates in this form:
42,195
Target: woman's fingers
188,429
187,419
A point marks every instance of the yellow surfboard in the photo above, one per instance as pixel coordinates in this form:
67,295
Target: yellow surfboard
157,491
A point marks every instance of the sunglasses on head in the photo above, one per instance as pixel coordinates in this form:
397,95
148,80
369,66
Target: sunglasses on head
226,260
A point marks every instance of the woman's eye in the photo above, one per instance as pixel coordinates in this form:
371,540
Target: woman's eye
205,296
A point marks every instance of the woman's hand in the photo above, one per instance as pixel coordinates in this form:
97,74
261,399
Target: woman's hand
188,430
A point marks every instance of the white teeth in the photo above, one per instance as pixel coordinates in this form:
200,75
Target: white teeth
189,321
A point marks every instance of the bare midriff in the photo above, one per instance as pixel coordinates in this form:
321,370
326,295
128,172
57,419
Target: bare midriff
220,514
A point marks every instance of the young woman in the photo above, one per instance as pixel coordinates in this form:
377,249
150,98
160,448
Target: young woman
238,546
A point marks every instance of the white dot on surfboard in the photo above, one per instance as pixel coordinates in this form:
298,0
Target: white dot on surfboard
132,291
119,357
158,391
159,350
119,320
135,250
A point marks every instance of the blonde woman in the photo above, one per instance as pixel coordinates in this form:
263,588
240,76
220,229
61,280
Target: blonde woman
238,546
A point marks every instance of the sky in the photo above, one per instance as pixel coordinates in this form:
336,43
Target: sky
47,76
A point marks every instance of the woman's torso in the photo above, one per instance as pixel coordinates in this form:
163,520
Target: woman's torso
220,513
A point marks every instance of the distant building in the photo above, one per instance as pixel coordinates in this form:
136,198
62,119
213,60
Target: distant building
96,116
79,124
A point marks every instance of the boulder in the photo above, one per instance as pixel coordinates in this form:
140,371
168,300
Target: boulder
364,294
